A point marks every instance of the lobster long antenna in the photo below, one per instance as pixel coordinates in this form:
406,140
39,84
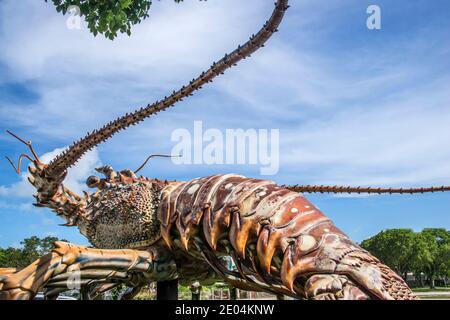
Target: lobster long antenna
71,155
155,156
360,190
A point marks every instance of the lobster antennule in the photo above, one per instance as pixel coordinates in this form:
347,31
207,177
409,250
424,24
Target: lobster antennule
29,144
19,162
71,155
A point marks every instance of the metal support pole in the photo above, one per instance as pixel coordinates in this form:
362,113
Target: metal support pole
196,290
167,290
233,293
84,293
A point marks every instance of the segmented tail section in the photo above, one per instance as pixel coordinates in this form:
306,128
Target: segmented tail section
70,156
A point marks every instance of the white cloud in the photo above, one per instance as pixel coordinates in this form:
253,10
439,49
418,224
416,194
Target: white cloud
97,79
398,142
362,115
172,31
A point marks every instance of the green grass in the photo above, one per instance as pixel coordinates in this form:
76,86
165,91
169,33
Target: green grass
437,289
435,298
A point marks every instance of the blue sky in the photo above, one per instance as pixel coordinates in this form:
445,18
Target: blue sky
354,106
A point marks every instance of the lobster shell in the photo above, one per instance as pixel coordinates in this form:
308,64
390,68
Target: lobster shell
277,238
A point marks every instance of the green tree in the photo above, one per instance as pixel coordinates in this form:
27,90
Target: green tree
2,257
435,261
421,255
395,247
30,251
426,252
12,258
108,17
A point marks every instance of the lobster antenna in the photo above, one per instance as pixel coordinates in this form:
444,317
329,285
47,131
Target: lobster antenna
70,156
359,190
155,156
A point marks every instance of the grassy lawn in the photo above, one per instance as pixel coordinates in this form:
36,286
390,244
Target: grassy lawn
437,289
435,298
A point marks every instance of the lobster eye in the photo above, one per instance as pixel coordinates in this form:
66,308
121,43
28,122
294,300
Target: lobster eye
93,182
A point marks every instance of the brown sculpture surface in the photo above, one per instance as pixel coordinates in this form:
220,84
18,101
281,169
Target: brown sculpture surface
150,230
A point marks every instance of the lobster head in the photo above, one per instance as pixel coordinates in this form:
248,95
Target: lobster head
122,211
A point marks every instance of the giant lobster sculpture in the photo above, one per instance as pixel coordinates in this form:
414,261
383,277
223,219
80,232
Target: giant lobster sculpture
146,230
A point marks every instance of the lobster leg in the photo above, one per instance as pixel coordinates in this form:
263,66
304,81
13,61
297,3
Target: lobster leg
6,271
88,292
333,287
87,266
